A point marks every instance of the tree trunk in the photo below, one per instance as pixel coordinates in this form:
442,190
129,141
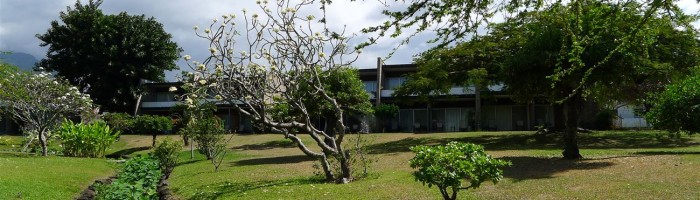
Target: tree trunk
44,146
154,139
571,108
327,168
345,169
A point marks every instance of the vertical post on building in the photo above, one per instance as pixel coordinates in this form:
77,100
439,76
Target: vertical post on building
378,93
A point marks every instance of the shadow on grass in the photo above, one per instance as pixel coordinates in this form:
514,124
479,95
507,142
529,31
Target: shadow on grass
125,152
229,188
267,145
668,153
525,141
525,168
273,160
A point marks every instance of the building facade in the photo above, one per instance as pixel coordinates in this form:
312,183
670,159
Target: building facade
451,112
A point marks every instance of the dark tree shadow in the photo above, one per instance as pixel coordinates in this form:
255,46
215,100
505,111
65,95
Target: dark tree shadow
525,168
228,188
126,152
273,160
267,145
525,141
668,153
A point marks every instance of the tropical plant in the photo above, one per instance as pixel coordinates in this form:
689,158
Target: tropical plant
86,140
167,152
138,179
121,122
446,166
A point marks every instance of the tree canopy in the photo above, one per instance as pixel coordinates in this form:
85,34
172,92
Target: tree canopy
537,56
677,109
108,56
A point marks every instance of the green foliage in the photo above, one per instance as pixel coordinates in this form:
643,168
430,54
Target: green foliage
386,110
138,179
108,55
40,102
151,124
677,109
166,152
208,133
119,121
86,140
446,166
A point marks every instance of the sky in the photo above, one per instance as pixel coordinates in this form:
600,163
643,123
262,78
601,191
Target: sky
21,20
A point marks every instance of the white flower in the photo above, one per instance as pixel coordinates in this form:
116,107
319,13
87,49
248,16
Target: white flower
213,85
172,89
187,57
194,96
201,67
188,100
359,51
207,31
202,81
224,16
310,17
257,2
196,27
212,50
215,20
255,15
218,97
322,55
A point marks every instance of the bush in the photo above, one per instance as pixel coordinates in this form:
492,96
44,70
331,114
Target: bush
677,109
138,179
166,152
445,166
86,140
152,124
208,133
121,122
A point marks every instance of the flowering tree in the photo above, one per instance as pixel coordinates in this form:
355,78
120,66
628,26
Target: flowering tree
280,66
40,101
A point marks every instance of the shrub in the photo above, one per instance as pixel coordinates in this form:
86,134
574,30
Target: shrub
208,133
152,124
138,179
445,166
677,109
121,122
166,152
86,140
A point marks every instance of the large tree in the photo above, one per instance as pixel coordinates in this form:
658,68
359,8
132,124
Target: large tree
537,57
40,102
108,56
288,72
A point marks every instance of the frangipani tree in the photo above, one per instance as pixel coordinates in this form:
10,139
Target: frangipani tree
280,64
40,101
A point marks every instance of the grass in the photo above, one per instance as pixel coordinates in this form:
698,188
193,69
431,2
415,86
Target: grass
52,177
618,165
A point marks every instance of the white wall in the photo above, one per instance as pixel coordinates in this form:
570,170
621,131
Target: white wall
627,119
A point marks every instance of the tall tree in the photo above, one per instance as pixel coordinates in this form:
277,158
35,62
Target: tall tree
537,57
290,64
108,56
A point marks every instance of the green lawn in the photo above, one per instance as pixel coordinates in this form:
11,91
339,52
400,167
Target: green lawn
618,165
36,177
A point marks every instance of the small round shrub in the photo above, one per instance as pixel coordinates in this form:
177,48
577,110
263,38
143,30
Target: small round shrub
166,152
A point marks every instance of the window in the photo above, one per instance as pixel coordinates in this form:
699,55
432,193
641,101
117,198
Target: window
370,86
395,82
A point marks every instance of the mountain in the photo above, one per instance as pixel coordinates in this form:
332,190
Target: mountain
22,60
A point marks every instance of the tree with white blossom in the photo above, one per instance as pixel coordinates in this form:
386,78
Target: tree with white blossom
40,102
280,67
